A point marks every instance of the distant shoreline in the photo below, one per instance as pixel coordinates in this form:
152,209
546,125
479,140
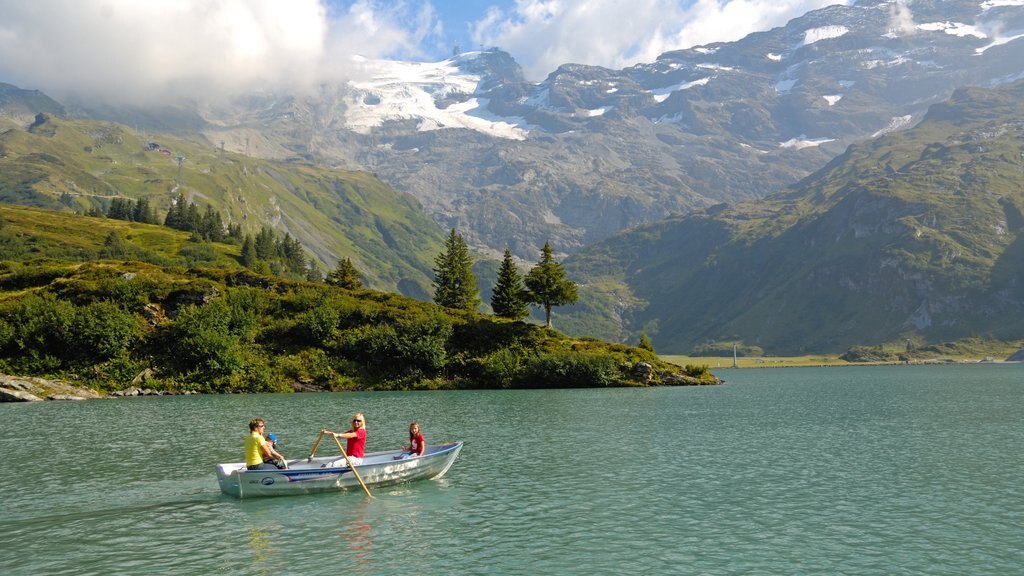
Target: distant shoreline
722,363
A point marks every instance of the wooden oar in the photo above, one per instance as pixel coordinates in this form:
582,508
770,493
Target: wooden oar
349,462
315,444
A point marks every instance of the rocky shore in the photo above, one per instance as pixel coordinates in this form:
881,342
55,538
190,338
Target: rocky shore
30,389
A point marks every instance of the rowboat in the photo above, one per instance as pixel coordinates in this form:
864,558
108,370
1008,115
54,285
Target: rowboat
332,474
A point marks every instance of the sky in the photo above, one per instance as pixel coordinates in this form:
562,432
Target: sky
146,49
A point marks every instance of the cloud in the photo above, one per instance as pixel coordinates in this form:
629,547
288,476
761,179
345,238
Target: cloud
146,50
542,34
128,50
901,18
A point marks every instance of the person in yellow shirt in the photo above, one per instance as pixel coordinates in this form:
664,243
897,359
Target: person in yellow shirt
257,448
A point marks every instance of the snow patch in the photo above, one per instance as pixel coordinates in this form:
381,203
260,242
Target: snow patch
824,33
1000,41
705,50
832,98
801,142
662,94
895,124
392,91
989,4
707,66
953,29
774,57
594,112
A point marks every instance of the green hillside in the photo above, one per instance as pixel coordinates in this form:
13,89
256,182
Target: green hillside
916,235
176,314
77,165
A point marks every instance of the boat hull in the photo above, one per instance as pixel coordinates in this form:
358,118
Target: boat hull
331,474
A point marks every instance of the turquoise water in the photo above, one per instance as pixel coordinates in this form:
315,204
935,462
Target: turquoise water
886,470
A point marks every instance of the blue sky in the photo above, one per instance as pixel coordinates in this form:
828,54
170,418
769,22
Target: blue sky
144,48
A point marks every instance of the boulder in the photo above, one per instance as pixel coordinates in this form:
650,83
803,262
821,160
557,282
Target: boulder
11,395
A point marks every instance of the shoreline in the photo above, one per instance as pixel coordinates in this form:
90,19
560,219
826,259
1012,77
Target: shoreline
748,363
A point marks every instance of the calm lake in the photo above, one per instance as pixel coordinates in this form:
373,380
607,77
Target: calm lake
872,470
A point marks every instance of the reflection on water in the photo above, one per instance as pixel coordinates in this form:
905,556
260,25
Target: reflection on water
892,470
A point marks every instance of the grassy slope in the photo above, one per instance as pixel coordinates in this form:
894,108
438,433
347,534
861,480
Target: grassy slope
45,234
76,165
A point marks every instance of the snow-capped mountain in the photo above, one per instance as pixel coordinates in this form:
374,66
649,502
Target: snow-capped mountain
590,151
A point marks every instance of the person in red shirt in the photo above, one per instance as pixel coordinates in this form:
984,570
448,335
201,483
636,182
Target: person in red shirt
417,445
355,437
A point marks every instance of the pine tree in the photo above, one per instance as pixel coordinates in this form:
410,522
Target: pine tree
548,285
114,247
509,299
264,242
454,281
249,257
645,342
345,275
177,213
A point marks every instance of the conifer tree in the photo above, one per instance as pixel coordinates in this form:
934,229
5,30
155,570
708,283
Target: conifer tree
249,257
114,247
509,299
345,275
548,285
454,281
264,242
645,342
176,215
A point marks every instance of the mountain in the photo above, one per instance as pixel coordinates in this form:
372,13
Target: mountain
21,106
917,234
77,165
590,151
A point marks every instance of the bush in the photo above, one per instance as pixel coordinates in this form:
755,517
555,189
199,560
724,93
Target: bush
102,331
500,368
698,372
414,346
199,341
569,370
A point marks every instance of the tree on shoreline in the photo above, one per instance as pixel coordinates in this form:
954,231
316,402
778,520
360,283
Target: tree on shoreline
509,299
548,285
454,281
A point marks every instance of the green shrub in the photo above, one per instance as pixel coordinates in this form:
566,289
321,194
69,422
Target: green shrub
102,330
569,370
319,325
413,346
199,254
312,366
199,340
696,371
500,368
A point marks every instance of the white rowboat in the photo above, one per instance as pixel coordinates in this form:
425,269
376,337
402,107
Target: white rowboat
332,474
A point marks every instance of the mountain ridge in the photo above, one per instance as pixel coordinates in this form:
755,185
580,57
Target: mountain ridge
914,235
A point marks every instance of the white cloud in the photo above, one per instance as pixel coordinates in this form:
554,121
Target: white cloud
901,19
133,50
542,34
150,49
